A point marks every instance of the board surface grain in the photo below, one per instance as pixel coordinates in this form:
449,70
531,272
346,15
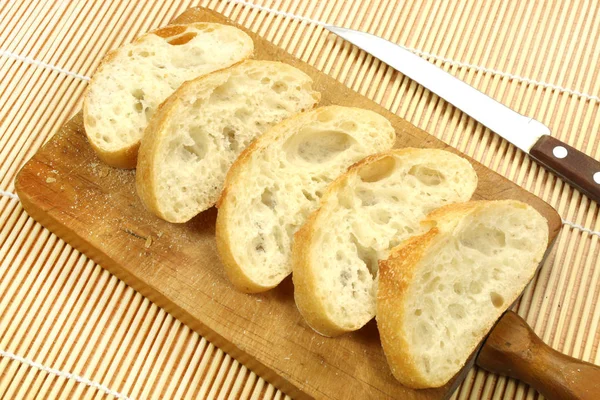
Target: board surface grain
94,208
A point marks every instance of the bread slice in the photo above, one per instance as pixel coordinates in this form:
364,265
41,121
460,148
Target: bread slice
134,79
200,130
377,204
440,293
278,180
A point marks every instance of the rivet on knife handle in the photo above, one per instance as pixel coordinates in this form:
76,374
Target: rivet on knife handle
513,349
573,166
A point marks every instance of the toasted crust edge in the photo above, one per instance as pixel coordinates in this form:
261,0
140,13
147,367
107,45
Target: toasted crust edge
127,157
145,176
395,274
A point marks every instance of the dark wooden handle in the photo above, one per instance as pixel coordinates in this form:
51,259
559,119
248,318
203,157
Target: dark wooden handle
572,165
514,350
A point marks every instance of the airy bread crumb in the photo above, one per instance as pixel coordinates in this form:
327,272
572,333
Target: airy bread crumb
363,214
200,130
134,79
441,292
278,181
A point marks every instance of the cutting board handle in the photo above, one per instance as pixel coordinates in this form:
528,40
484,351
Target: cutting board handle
514,350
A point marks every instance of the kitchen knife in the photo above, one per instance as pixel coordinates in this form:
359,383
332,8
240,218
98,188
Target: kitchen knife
528,134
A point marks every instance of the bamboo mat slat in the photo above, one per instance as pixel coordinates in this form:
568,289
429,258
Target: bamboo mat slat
60,309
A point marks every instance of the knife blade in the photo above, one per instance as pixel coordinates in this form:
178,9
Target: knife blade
528,134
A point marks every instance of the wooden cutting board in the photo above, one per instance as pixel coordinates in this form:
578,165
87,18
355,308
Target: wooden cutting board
95,209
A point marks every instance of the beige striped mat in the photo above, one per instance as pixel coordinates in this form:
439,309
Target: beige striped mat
68,329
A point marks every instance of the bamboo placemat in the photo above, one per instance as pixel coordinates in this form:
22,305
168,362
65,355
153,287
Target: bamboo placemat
62,314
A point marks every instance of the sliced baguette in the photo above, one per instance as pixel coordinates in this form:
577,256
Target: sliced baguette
377,204
441,292
200,130
278,180
134,79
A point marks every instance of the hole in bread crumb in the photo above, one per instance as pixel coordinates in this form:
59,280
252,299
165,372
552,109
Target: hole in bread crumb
258,245
368,256
265,80
199,147
483,238
229,134
204,27
253,73
325,115
367,197
169,31
279,87
457,311
475,287
496,274
427,364
381,216
316,146
144,53
106,138
345,277
377,170
422,334
497,299
307,195
427,176
344,200
267,199
242,113
418,312
138,94
223,92
198,103
90,121
183,39
348,126
362,275
432,285
458,288
277,235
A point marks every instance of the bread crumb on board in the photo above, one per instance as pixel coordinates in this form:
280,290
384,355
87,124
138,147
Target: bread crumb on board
50,180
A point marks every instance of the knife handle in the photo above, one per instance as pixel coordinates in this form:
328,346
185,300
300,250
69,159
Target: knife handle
575,167
513,349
